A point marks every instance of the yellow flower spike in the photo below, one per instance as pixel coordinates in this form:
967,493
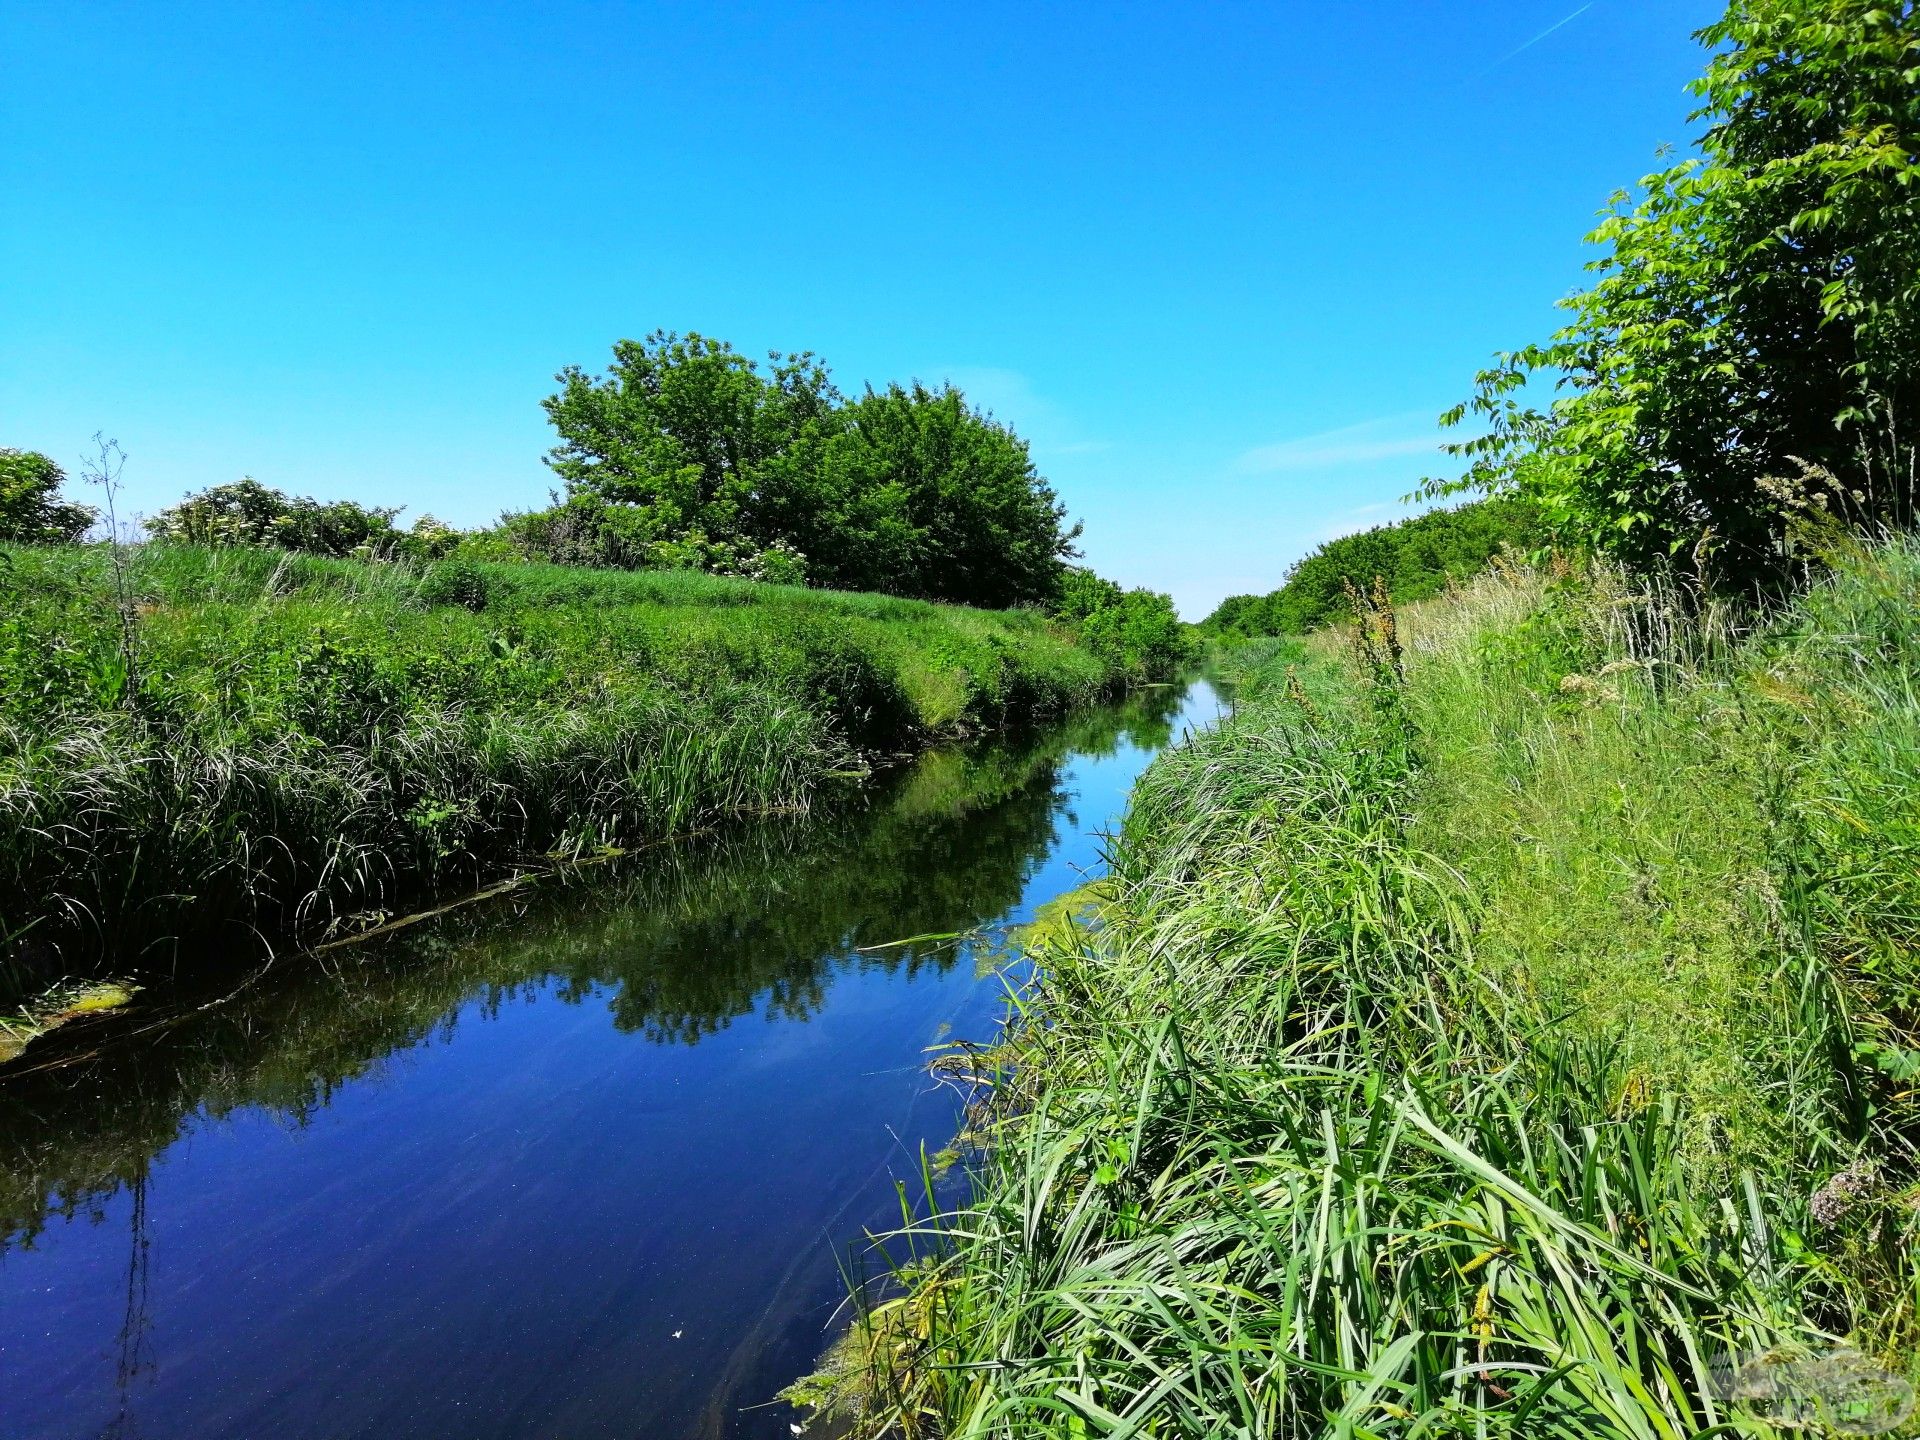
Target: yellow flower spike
1482,1326
1482,1258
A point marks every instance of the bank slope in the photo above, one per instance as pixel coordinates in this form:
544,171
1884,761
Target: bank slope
223,745
1503,1029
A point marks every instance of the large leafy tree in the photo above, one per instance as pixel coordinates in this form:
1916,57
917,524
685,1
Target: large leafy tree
683,426
688,452
31,510
1750,352
954,498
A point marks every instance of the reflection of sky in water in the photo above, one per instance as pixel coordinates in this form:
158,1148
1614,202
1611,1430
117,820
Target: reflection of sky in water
536,1223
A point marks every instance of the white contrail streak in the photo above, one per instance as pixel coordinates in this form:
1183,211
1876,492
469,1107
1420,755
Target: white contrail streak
1528,45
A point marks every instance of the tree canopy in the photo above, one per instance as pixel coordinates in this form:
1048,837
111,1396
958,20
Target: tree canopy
687,452
31,510
1749,355
1138,630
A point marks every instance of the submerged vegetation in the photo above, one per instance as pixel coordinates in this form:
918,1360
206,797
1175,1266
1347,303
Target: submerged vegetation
201,744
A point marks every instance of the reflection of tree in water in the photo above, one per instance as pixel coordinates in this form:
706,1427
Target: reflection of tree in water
681,944
135,1344
684,961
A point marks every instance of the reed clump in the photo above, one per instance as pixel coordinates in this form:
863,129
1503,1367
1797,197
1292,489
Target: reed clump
1457,1051
298,745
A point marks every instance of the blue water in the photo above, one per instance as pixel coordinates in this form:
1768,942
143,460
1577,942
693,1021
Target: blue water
583,1162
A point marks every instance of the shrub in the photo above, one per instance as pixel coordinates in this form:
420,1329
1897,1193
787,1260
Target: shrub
249,513
454,581
31,510
1137,631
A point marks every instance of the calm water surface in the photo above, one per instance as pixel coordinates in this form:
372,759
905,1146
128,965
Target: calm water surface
583,1162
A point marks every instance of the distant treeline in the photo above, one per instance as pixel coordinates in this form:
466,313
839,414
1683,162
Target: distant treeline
687,455
1414,559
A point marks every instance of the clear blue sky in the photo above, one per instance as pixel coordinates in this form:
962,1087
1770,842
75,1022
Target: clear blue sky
1221,264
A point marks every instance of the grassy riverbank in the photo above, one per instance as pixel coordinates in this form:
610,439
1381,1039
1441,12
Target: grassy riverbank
225,744
1505,1028
753,920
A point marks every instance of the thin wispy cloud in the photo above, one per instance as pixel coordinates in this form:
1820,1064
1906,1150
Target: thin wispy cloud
1009,396
1382,439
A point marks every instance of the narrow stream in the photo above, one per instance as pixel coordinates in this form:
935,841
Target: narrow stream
579,1162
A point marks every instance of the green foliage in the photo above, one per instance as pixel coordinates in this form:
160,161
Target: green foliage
587,531
1527,1053
55,644
942,845
686,455
31,510
249,513
1082,594
318,738
940,501
1749,359
1138,631
683,428
454,581
432,539
1416,558
667,458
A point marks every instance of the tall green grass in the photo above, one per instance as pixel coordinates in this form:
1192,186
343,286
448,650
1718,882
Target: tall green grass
677,947
1506,1029
293,744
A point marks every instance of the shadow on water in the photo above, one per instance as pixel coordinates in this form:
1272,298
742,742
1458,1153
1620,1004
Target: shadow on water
183,1108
